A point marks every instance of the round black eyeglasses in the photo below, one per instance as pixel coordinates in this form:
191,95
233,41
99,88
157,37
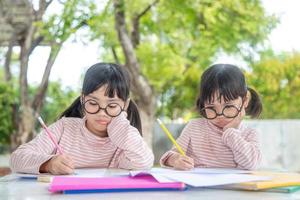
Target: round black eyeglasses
112,109
229,111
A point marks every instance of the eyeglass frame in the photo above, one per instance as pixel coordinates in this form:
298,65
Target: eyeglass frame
222,113
100,108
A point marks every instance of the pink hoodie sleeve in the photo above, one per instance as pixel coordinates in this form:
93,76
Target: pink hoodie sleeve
28,157
135,154
245,147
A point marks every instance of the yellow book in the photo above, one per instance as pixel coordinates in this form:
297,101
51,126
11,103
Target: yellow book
279,179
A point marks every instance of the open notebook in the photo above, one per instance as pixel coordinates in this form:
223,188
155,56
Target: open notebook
110,184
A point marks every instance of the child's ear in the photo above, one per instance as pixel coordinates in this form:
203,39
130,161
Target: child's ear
247,99
81,102
81,98
126,104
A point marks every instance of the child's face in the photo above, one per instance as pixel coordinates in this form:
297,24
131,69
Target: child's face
220,113
94,106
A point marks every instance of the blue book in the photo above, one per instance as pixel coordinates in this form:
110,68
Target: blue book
122,190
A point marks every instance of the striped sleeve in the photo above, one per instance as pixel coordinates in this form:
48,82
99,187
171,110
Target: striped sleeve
183,141
135,152
245,150
28,157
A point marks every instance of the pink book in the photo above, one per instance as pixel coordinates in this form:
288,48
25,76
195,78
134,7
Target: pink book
110,184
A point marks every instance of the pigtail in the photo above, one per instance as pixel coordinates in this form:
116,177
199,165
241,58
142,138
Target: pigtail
74,110
133,116
199,106
254,107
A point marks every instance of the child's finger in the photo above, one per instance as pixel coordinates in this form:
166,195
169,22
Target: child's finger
188,160
184,165
64,169
187,166
64,158
68,162
188,163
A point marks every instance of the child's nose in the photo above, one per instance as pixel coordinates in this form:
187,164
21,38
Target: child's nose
102,112
219,112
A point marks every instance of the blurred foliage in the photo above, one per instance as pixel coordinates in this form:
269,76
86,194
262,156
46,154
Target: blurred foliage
7,98
57,100
52,30
179,39
58,27
277,79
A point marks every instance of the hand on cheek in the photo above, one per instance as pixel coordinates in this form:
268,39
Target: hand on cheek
235,122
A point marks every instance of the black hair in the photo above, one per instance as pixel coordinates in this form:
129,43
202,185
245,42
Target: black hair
117,80
229,81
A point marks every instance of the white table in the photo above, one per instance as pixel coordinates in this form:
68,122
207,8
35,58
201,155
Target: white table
14,188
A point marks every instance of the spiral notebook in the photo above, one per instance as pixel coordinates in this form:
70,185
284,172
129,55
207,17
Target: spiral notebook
110,184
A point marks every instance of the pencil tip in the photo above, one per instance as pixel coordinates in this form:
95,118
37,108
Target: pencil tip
158,120
40,119
36,115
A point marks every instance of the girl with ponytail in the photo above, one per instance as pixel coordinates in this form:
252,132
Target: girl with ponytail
219,138
101,128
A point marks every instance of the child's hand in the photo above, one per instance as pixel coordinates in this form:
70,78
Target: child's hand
235,122
59,164
180,162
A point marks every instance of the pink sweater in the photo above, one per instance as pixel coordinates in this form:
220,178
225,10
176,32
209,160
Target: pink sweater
210,146
123,148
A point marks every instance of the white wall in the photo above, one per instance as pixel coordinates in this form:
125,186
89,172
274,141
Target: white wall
280,142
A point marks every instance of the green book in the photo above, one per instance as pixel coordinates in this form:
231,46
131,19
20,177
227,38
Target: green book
289,189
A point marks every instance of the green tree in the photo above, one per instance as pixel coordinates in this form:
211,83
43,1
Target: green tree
6,101
277,79
57,100
167,44
35,28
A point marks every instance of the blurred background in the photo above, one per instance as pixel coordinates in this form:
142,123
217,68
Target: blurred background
47,45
